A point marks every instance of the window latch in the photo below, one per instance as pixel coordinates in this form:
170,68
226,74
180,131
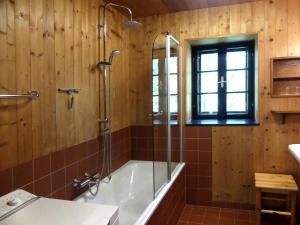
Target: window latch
222,82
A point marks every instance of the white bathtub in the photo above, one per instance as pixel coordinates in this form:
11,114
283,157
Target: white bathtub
131,189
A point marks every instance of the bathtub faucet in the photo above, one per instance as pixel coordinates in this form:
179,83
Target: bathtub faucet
87,180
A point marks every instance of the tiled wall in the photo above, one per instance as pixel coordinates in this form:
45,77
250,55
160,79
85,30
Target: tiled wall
52,175
198,158
169,209
143,144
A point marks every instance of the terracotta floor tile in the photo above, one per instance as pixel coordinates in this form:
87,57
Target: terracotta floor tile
181,223
226,221
242,216
198,210
227,214
208,220
196,218
242,223
199,215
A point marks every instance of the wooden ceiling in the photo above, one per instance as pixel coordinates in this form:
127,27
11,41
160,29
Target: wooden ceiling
143,8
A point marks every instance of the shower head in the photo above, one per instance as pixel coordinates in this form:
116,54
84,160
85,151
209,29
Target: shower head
112,54
132,24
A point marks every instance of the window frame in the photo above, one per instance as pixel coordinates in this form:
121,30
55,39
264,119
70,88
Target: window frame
222,49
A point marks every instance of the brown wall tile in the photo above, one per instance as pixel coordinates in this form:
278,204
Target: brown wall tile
22,174
6,181
58,180
198,158
41,167
58,160
42,187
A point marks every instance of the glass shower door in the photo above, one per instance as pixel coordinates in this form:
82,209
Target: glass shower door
160,113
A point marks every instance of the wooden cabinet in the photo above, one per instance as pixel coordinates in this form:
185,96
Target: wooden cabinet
285,77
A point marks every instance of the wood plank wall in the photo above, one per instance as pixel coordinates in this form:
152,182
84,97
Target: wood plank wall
237,151
51,44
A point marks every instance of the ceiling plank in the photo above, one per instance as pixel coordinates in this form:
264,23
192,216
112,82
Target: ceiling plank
157,7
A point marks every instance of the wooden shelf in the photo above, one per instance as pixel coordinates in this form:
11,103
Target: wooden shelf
286,78
286,96
284,113
285,74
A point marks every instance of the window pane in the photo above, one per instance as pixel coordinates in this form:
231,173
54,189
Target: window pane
236,102
209,82
209,61
173,84
209,103
155,66
236,81
173,65
236,60
155,103
173,103
155,87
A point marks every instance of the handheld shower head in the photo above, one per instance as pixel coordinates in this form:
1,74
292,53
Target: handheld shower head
112,54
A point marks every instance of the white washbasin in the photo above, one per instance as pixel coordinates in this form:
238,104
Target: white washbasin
294,149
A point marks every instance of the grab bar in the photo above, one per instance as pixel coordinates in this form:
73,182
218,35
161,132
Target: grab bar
30,95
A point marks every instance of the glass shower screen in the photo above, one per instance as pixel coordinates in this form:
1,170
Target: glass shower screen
166,108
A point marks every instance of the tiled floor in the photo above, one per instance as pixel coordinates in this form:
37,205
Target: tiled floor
201,215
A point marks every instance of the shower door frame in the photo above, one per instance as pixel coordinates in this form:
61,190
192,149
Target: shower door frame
169,37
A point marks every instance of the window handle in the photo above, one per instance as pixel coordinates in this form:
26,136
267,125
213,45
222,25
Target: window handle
222,82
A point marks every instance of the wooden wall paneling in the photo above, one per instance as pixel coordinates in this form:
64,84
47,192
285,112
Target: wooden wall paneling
258,20
42,76
47,101
235,18
61,19
194,23
246,18
65,117
213,21
87,126
135,64
93,60
37,54
224,21
293,27
24,109
118,75
78,71
293,44
8,116
203,22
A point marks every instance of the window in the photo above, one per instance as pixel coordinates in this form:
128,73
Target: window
156,65
223,81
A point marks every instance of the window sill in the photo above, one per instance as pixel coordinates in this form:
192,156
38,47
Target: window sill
159,122
227,122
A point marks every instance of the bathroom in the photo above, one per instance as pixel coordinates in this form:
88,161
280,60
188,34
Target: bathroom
124,108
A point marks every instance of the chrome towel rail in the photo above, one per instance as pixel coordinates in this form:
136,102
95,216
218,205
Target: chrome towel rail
29,94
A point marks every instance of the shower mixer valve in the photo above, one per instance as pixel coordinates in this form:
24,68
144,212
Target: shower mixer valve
70,92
